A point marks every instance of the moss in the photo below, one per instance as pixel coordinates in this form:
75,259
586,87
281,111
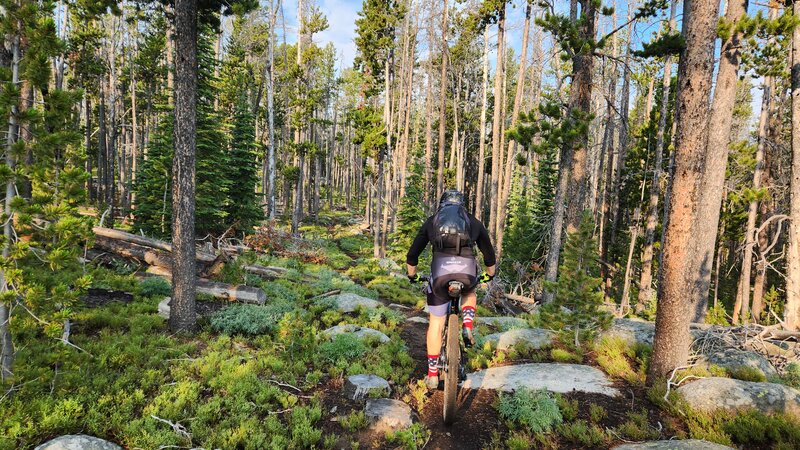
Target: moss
747,373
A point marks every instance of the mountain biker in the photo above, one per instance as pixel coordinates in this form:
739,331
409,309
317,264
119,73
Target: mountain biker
452,232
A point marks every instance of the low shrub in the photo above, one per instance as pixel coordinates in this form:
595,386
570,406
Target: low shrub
597,413
747,373
343,350
536,411
615,355
354,421
249,319
154,287
569,408
565,356
636,427
412,438
582,433
791,375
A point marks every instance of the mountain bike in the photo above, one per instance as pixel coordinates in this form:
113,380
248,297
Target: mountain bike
451,365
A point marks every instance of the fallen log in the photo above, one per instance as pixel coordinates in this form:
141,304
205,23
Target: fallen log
269,273
233,293
224,291
119,235
520,298
207,265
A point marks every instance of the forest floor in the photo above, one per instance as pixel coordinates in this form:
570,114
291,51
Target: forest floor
267,377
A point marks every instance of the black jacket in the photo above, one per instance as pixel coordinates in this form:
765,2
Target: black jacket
477,234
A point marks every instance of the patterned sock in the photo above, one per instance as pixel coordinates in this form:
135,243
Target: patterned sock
469,316
433,365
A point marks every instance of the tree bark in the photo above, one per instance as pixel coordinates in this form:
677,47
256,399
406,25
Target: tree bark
646,278
182,312
497,117
270,191
510,159
695,70
482,132
742,305
717,156
791,316
6,342
442,106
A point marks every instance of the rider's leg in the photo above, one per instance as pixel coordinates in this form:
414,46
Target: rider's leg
435,330
468,303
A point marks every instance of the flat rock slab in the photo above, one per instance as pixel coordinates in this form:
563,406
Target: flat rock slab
534,338
502,323
357,331
688,444
417,319
554,377
349,302
732,359
385,414
359,387
78,442
717,393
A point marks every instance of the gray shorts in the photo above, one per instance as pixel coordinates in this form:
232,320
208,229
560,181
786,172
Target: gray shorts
444,269
439,310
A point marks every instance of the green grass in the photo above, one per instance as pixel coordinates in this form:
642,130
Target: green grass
227,390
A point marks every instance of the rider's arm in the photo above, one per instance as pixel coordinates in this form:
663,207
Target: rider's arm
485,245
420,241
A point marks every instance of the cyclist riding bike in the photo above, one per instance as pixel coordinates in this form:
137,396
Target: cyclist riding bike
452,232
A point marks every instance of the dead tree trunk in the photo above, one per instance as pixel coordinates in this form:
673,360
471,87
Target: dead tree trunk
791,316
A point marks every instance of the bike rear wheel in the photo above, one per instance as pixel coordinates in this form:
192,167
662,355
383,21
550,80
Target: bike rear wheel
451,369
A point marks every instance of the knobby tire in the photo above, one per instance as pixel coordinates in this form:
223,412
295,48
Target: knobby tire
451,369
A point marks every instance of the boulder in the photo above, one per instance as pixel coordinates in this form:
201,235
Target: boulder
389,265
359,387
732,359
554,377
385,414
676,444
349,302
163,308
78,442
534,338
632,331
357,331
502,323
716,393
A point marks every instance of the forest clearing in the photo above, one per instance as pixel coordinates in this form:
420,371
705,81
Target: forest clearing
217,215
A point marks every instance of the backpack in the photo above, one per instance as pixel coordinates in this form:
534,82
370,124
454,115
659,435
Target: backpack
452,227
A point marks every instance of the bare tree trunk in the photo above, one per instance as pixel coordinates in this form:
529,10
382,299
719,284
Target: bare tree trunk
428,132
442,105
271,162
695,70
742,305
717,155
6,343
182,307
646,278
622,152
297,210
791,316
510,157
497,117
482,132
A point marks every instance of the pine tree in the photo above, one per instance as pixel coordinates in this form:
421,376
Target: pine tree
411,215
578,297
242,174
154,181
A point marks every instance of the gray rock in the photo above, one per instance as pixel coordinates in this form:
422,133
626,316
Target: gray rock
389,265
732,358
385,414
502,323
716,393
357,331
163,308
417,319
78,442
359,387
632,331
562,378
688,444
349,302
534,338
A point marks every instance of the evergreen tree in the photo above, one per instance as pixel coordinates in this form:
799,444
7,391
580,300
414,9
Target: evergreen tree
242,204
576,308
153,187
411,214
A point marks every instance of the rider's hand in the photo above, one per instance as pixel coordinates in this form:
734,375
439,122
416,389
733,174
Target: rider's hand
414,278
485,277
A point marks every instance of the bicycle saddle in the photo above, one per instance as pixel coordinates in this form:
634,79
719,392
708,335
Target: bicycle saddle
454,288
